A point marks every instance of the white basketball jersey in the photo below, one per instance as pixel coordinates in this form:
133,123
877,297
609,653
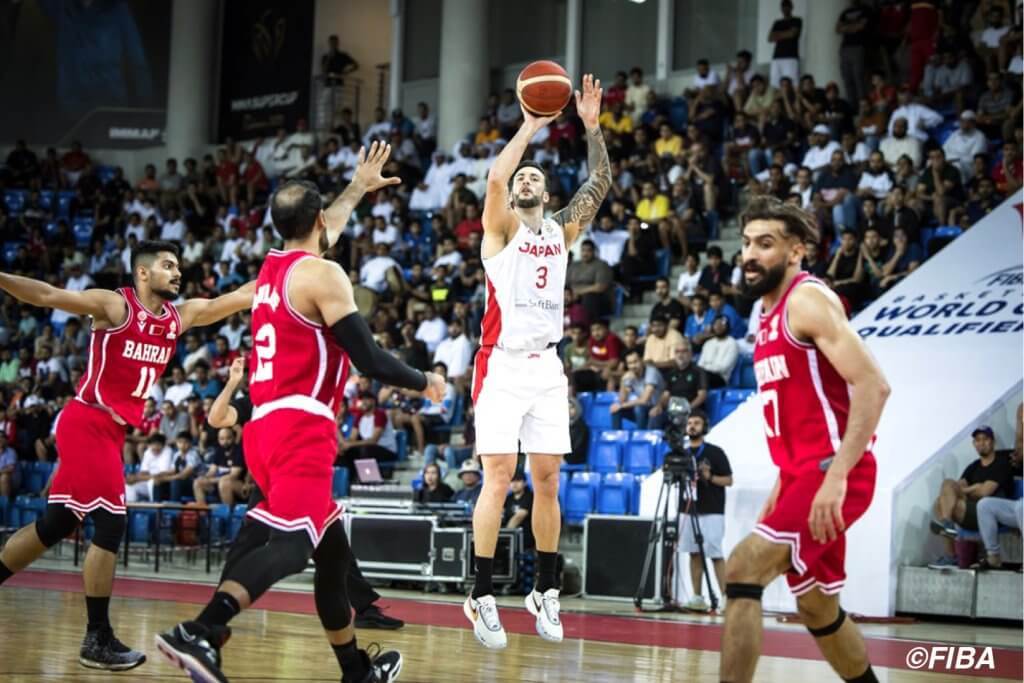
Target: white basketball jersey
526,290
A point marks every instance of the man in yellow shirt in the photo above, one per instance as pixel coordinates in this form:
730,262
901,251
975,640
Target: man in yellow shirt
654,206
615,120
668,143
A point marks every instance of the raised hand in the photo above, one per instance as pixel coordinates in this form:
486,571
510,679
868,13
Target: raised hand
368,170
237,370
588,102
535,121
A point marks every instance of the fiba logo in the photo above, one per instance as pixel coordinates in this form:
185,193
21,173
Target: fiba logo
267,36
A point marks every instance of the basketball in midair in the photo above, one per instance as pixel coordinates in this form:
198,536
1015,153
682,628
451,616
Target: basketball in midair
544,88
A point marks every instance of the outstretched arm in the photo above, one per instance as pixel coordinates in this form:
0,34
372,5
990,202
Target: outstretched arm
222,413
104,306
584,205
366,178
199,312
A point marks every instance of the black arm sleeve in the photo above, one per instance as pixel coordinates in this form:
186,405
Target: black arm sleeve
353,334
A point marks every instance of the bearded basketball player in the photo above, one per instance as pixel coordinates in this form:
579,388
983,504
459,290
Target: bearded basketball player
822,395
520,392
134,335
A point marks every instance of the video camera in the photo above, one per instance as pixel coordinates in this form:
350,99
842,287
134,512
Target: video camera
679,465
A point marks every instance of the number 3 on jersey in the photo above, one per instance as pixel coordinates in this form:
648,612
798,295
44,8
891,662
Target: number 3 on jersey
265,345
542,277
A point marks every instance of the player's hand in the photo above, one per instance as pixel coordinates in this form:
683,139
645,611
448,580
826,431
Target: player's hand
237,370
435,387
826,519
535,121
369,167
588,102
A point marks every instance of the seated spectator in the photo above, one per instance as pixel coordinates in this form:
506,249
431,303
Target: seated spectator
992,512
375,272
186,460
718,305
518,509
639,390
667,307
653,206
994,108
847,269
660,344
698,323
173,419
870,124
957,504
615,120
203,385
225,471
1009,172
820,148
180,388
642,244
964,144
836,190
876,180
716,276
157,464
374,437
591,281
947,79
686,287
940,189
456,353
668,143
10,476
433,490
683,380
430,414
432,330
900,143
719,354
609,239
469,474
920,119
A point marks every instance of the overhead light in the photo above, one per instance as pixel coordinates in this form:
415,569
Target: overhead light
639,2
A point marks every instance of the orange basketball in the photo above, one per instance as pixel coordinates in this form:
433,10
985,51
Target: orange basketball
544,88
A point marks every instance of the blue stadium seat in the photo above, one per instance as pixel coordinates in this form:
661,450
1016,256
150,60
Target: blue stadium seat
64,198
563,484
641,453
581,496
25,475
678,113
586,399
15,200
105,173
141,525
37,476
82,231
235,524
598,415
339,486
730,400
743,374
3,511
50,229
638,480
1018,488
11,251
606,454
220,521
615,496
940,237
402,444
713,401
417,482
48,200
30,507
457,410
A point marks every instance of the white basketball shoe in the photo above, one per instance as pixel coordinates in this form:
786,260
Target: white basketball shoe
545,607
483,614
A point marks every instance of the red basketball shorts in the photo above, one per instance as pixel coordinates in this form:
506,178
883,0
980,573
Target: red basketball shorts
814,564
90,471
291,454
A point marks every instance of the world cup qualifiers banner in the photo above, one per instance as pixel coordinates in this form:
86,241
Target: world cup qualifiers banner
93,71
266,50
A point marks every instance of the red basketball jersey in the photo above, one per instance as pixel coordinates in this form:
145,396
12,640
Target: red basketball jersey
806,402
297,364
126,360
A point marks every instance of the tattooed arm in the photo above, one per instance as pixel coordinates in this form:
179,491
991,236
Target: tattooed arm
584,205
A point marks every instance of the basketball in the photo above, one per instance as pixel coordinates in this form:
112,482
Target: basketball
544,88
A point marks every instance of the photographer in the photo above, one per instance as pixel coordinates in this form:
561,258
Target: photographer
712,478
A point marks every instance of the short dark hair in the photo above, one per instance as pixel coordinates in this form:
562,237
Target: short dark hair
529,163
697,412
157,437
148,250
659,319
715,250
294,208
702,62
589,243
184,435
796,222
745,54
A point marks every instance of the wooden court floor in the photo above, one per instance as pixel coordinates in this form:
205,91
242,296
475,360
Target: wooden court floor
42,620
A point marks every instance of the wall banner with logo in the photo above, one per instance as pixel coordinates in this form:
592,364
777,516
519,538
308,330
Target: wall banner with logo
266,50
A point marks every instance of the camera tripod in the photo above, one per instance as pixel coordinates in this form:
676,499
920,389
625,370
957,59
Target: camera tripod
665,526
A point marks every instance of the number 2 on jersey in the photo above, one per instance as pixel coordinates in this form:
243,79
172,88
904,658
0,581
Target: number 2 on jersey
147,376
265,345
542,277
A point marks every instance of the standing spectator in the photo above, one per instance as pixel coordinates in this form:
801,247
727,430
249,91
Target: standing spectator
919,118
335,63
962,146
785,33
591,281
989,42
640,388
922,35
714,475
853,26
636,94
957,503
719,354
682,380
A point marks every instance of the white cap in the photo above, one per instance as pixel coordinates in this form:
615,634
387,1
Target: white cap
821,129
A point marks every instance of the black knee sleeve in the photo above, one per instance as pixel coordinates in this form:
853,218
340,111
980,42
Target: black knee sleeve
55,525
831,628
285,553
109,530
748,591
252,535
333,557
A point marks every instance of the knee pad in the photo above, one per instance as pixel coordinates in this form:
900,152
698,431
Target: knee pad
109,530
285,553
55,525
745,591
252,535
831,628
333,558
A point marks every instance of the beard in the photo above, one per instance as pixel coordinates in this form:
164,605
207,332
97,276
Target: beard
527,202
165,294
771,278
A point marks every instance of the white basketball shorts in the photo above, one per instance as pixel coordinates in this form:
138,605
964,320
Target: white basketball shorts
520,397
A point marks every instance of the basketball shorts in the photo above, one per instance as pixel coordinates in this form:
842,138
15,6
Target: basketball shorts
90,471
290,454
814,564
520,397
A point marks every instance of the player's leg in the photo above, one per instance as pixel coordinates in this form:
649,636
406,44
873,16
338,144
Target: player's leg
32,540
838,638
751,566
498,471
333,558
364,598
251,536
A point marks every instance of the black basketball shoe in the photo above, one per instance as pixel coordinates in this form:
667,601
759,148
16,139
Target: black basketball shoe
195,649
102,650
372,617
383,667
